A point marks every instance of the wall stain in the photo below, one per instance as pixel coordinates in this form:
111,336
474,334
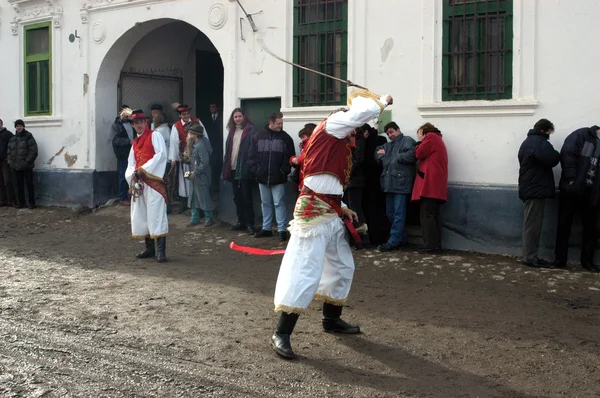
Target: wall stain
86,83
55,155
70,160
388,45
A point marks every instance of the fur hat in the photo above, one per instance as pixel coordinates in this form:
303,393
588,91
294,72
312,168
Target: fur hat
194,128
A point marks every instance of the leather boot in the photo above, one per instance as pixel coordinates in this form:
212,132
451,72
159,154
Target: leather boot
149,251
332,323
161,243
281,338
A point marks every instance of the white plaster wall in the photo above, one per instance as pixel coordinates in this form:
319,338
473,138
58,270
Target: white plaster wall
555,68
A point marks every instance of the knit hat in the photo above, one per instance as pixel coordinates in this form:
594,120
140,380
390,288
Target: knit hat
19,122
194,128
156,107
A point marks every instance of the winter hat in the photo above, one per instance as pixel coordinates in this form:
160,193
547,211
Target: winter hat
156,107
19,122
194,128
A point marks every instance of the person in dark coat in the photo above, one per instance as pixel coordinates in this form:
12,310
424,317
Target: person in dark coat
22,152
398,160
373,196
236,170
537,157
269,162
356,185
214,126
200,153
431,185
121,136
579,192
7,194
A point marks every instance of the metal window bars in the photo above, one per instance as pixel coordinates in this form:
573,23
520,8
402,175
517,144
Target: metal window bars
320,43
477,55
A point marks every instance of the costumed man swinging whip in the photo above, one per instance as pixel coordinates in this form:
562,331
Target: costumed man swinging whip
145,169
318,262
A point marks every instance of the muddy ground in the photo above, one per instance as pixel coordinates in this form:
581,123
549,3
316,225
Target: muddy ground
81,317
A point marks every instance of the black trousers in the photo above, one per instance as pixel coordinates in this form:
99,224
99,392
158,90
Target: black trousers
242,197
23,178
431,223
567,207
353,199
532,228
7,194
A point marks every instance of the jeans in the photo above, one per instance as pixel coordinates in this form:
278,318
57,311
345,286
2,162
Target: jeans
242,197
269,196
395,206
123,186
21,179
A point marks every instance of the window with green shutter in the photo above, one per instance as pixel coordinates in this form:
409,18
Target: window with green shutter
477,50
320,43
38,69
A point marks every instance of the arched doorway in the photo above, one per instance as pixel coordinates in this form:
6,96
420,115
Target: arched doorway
158,61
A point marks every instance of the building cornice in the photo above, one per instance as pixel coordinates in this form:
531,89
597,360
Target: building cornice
29,11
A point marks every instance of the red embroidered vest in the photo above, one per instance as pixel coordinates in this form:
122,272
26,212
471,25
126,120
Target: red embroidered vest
143,149
326,154
182,133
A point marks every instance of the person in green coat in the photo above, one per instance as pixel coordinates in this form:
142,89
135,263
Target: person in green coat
200,149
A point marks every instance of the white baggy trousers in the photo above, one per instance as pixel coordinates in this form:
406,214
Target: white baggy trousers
149,215
317,264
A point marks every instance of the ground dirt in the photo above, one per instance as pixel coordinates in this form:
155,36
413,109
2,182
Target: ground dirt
81,317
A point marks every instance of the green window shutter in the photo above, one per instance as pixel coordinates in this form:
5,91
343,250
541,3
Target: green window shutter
477,50
38,69
320,43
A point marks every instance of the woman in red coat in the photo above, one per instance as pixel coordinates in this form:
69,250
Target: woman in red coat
431,185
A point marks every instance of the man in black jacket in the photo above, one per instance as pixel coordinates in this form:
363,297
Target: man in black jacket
537,157
22,152
579,192
121,135
269,161
7,195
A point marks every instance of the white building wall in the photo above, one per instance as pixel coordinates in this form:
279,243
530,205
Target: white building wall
394,47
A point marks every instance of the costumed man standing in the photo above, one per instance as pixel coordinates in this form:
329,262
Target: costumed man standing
318,261
146,166
176,152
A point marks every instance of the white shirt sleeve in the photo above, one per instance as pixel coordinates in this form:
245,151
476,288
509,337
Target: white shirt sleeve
130,167
205,131
174,146
341,124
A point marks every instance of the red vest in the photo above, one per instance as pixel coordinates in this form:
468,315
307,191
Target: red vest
143,149
326,154
182,133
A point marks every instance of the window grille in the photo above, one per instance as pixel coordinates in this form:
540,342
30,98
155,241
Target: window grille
320,43
477,50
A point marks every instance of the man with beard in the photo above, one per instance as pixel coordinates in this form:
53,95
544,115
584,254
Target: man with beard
145,168
176,152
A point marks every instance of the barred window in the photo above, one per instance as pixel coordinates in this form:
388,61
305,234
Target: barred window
477,50
320,43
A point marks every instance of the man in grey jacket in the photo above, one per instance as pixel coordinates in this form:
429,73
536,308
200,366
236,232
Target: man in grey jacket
398,160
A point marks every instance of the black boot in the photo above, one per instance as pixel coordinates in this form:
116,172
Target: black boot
149,252
332,323
182,205
161,243
281,338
